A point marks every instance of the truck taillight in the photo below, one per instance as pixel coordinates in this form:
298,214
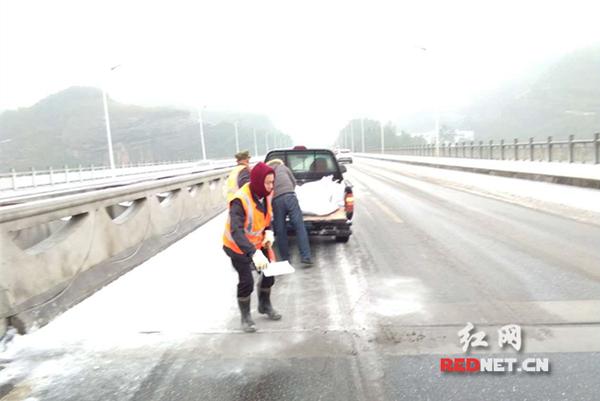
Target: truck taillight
349,202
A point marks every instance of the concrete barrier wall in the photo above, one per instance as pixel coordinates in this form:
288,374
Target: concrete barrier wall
579,175
56,252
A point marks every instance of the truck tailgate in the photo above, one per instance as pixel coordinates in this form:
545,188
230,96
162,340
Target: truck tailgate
339,214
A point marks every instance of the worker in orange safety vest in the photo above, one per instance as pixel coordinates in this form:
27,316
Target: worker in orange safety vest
238,176
247,237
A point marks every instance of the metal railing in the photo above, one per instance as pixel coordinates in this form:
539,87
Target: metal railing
15,180
571,150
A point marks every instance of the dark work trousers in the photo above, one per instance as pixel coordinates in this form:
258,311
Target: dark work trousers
244,267
287,205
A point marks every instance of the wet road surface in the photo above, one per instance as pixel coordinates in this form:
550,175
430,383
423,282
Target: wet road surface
370,320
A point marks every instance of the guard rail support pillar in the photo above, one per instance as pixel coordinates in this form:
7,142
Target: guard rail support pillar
531,149
13,174
571,147
597,148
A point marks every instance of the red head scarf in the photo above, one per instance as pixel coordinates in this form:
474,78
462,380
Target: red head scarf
257,179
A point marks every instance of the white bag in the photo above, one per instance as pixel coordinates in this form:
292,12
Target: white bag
321,197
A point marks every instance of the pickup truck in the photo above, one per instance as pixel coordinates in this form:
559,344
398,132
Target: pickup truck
309,165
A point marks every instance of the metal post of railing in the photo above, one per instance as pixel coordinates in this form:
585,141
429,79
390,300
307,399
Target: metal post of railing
549,149
481,149
33,183
531,149
501,149
516,149
66,173
13,174
464,149
51,175
571,147
491,149
597,148
472,149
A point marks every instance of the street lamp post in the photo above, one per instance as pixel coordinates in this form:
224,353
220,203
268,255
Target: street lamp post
362,133
255,144
352,133
202,132
111,157
237,140
266,142
382,138
437,132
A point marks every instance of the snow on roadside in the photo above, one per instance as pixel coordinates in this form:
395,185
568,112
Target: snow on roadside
579,203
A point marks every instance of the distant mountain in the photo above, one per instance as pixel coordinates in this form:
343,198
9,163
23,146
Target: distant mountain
558,98
562,98
68,128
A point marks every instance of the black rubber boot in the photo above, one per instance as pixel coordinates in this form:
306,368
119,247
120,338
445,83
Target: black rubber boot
247,322
264,304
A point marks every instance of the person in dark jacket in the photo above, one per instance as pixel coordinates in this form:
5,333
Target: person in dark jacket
285,203
246,237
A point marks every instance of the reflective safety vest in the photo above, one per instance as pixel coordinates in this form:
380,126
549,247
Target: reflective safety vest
231,185
255,223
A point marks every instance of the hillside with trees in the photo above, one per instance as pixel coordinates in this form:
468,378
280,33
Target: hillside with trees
68,128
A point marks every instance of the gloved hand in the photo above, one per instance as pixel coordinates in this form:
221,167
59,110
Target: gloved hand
260,260
269,239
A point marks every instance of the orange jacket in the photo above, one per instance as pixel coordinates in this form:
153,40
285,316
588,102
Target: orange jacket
255,224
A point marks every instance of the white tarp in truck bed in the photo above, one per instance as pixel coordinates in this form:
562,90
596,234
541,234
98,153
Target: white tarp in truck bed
321,197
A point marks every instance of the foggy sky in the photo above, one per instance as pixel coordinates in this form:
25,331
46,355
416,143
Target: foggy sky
309,65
